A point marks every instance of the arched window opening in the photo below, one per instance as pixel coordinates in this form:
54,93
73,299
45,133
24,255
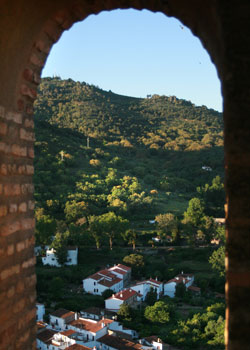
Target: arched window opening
150,165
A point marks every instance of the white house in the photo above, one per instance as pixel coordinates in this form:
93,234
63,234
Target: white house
40,311
170,286
123,272
50,258
44,338
146,286
126,296
101,281
60,318
89,330
154,342
50,340
118,328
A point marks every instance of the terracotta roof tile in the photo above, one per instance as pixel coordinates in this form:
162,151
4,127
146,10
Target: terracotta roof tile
108,283
62,313
90,325
77,347
46,335
124,267
124,294
118,343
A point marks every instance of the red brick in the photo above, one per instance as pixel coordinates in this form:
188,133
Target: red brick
27,91
3,169
43,45
19,150
28,74
29,123
53,30
2,111
11,292
3,210
20,105
27,135
27,224
10,249
31,152
31,205
15,117
20,246
12,190
36,60
22,207
20,287
30,169
13,227
3,128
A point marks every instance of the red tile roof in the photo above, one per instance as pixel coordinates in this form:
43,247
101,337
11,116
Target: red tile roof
46,335
150,280
116,269
77,347
90,326
124,267
108,283
118,343
124,294
68,332
62,313
179,280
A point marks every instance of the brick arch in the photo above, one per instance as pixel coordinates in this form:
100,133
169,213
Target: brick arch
28,31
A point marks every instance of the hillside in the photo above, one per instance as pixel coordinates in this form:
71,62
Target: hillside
138,157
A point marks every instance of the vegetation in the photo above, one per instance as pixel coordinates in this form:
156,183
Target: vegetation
113,172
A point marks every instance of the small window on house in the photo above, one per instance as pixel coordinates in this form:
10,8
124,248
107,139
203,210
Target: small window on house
53,259
94,283
97,290
93,337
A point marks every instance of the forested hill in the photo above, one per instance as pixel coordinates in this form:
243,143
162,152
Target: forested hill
157,122
138,157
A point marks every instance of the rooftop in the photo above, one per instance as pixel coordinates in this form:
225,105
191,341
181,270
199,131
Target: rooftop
90,326
124,294
62,313
118,343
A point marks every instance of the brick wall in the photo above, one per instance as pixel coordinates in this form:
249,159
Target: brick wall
17,274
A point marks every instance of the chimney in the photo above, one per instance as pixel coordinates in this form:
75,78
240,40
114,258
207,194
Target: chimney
103,324
113,295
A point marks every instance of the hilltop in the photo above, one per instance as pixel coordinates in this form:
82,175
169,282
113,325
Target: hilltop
91,141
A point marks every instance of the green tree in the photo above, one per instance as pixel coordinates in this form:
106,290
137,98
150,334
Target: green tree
60,246
95,229
125,313
217,260
130,236
159,312
112,225
75,211
45,227
56,287
168,224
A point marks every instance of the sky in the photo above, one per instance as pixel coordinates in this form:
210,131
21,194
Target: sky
137,53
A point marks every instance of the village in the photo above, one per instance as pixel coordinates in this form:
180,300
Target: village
98,328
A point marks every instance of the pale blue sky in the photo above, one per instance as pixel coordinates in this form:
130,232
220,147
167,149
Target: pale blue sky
136,53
